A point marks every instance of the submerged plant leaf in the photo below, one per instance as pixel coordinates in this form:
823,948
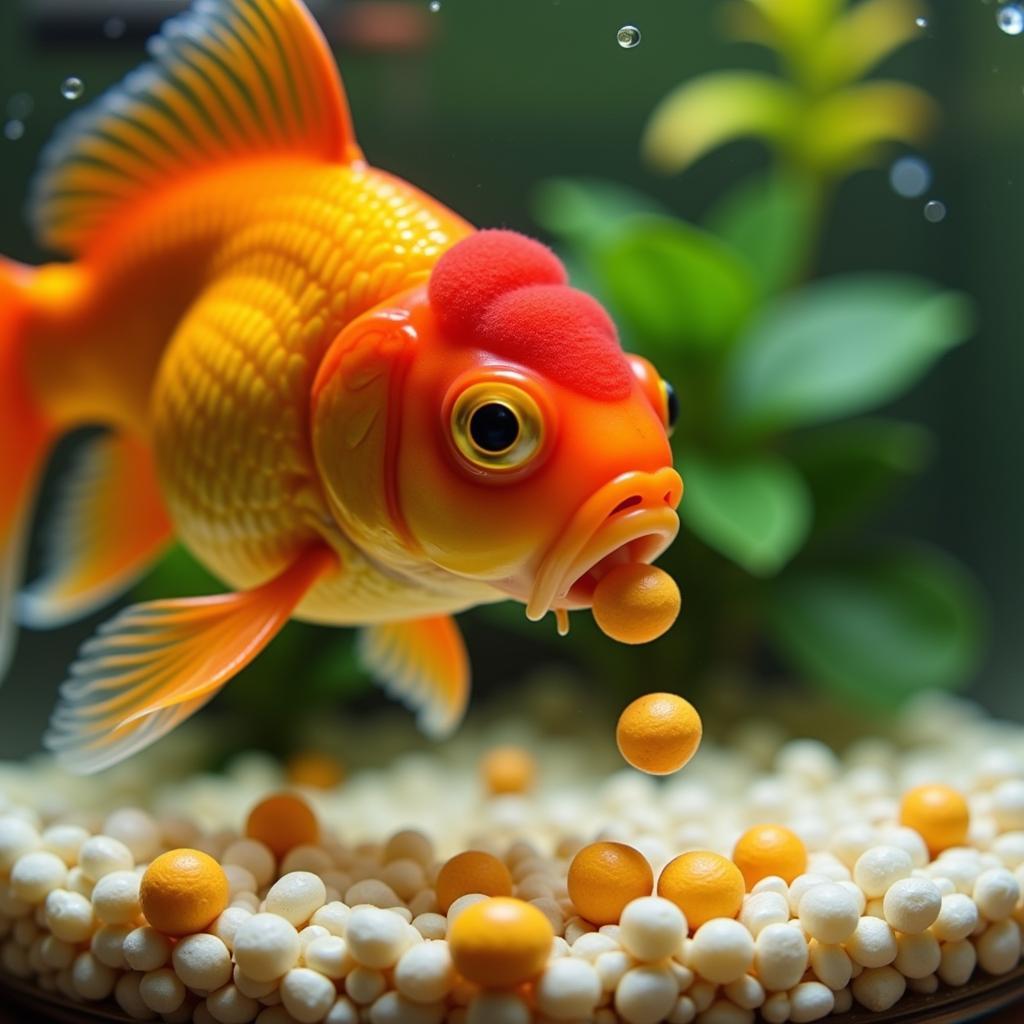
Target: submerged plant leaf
755,511
768,220
716,108
864,36
850,467
846,129
876,629
839,347
583,210
677,287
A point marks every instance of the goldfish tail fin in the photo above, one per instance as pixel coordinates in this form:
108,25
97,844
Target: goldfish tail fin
229,80
423,663
108,526
26,435
155,664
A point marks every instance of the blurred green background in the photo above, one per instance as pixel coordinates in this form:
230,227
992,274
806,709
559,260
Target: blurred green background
851,526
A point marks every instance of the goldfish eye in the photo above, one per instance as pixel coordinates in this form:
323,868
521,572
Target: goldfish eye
496,426
668,393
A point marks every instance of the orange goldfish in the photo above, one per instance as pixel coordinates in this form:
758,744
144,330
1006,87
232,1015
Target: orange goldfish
348,403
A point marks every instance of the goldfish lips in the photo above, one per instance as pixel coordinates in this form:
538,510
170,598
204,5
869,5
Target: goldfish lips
627,523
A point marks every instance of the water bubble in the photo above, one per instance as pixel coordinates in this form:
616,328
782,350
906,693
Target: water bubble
20,105
910,177
921,22
934,211
628,36
13,130
434,6
72,88
114,28
1010,18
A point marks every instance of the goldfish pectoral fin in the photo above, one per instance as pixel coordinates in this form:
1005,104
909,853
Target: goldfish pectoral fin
155,664
423,663
228,80
108,526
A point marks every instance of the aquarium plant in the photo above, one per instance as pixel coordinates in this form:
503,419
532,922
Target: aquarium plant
783,376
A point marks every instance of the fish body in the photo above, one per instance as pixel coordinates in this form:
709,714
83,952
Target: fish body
309,370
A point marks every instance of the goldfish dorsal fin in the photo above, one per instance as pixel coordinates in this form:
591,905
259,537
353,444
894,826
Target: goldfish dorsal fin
423,663
228,80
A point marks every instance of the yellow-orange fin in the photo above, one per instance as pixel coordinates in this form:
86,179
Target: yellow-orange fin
423,663
155,664
108,526
228,80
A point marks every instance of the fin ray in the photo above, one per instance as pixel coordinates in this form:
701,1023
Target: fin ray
423,663
227,80
181,653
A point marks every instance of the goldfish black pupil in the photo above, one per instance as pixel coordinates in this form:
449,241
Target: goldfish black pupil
671,404
494,428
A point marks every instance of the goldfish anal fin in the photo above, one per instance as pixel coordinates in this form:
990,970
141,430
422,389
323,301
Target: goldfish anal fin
154,664
108,526
228,80
423,663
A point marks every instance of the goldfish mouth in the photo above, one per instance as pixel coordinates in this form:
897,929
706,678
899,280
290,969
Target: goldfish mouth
630,519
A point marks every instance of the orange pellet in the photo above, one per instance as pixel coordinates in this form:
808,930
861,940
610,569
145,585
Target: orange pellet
316,770
508,769
769,850
471,871
635,603
499,943
939,814
659,733
183,892
283,821
604,877
702,885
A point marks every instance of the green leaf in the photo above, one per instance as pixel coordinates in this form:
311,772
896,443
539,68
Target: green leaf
583,210
850,467
677,287
702,114
754,511
768,220
879,628
840,347
850,129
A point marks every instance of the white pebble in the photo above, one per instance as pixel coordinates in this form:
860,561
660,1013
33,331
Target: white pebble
228,1005
762,909
722,950
721,1011
829,913
912,904
296,897
872,943
425,973
162,991
107,945
116,897
146,949
879,988
777,1008
958,917
996,894
254,856
333,916
69,916
646,994
376,938
365,984
35,875
958,962
91,979
879,867
392,1008
810,1001
100,855
569,989
329,955
747,992
831,965
202,962
999,947
137,830
780,956
128,997
497,1008
266,946
17,837
1008,805
431,926
307,995
65,840
652,928
917,955
801,885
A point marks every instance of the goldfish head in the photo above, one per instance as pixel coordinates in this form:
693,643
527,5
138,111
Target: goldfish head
488,425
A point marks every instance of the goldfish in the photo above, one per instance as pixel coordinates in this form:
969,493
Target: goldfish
349,404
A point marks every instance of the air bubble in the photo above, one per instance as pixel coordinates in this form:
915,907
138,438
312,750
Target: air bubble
1010,18
434,6
13,130
934,211
114,28
910,177
72,88
921,22
628,36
